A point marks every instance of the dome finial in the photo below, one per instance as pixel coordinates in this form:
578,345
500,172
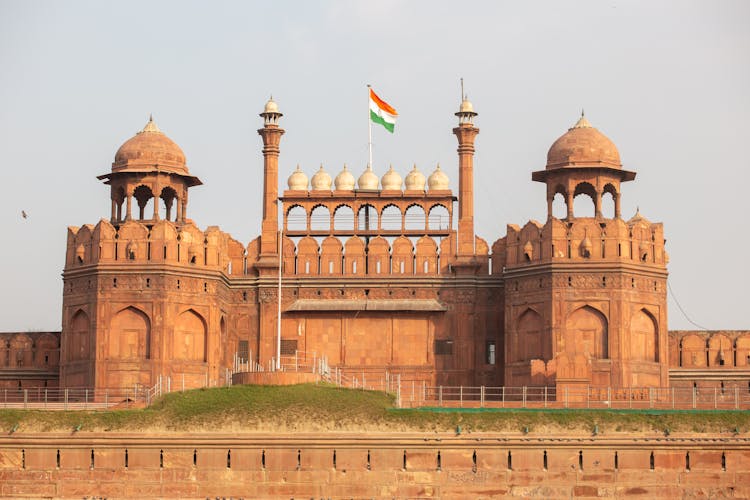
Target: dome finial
151,125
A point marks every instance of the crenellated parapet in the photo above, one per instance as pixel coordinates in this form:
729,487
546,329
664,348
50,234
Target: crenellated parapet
637,241
165,242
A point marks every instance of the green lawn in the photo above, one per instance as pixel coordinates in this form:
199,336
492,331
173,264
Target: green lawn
311,407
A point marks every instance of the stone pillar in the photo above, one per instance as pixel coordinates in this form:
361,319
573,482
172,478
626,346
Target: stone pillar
569,204
618,214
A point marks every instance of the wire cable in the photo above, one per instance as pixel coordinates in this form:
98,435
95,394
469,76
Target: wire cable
683,310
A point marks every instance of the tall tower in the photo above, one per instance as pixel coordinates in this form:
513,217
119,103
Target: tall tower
585,297
271,134
466,132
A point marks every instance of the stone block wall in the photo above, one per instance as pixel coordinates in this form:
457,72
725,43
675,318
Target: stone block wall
381,466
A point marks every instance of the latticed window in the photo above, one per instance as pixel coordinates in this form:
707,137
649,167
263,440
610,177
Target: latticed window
288,347
242,350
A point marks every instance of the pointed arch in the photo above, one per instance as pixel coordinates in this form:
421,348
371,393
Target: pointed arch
77,343
129,335
190,336
644,337
586,333
527,343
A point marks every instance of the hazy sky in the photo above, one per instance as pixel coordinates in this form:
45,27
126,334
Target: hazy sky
668,82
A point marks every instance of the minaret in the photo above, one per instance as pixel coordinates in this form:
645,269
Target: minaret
466,132
271,134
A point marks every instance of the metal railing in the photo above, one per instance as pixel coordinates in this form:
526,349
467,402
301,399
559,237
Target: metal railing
418,393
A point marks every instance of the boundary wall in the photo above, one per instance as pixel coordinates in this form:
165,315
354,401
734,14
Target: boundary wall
374,466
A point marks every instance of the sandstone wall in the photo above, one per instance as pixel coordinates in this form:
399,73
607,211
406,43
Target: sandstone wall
380,466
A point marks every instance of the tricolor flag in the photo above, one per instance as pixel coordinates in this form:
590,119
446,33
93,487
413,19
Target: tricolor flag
381,112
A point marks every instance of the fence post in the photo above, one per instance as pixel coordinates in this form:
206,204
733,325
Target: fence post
86,399
545,396
651,397
609,396
424,391
523,405
566,396
502,391
399,390
6,398
25,399
440,395
736,398
45,398
673,398
588,396
715,402
694,396
66,399
461,396
106,398
481,397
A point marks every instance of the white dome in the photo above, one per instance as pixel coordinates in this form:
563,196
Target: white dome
321,181
368,180
297,181
391,180
438,180
344,181
415,180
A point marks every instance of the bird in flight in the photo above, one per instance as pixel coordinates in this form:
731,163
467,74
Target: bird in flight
24,214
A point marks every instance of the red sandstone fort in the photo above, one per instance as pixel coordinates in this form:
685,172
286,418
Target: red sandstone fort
377,274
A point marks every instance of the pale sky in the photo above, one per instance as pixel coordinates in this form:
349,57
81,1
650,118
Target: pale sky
668,82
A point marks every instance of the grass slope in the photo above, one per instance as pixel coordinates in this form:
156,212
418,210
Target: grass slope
316,408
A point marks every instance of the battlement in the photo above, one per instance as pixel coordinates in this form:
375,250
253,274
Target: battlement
586,239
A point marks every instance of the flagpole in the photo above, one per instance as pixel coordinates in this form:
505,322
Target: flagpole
369,129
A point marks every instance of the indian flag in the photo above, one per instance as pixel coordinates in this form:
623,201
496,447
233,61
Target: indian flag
381,112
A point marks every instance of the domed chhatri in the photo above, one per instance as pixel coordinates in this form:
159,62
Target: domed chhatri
583,145
345,181
321,181
271,106
438,181
298,180
415,180
368,179
150,150
391,180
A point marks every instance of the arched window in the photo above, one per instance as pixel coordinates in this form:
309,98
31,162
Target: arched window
438,218
144,196
390,218
296,219
320,219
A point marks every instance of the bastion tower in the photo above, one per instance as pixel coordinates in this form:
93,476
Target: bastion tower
585,297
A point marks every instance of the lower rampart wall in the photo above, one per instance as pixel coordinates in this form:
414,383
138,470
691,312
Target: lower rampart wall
377,466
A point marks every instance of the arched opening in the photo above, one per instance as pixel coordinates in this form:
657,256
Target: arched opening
608,201
130,335
586,334
583,206
438,218
559,208
343,218
414,219
144,196
320,219
78,345
528,341
390,218
119,198
189,340
367,218
296,219
167,207
644,338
